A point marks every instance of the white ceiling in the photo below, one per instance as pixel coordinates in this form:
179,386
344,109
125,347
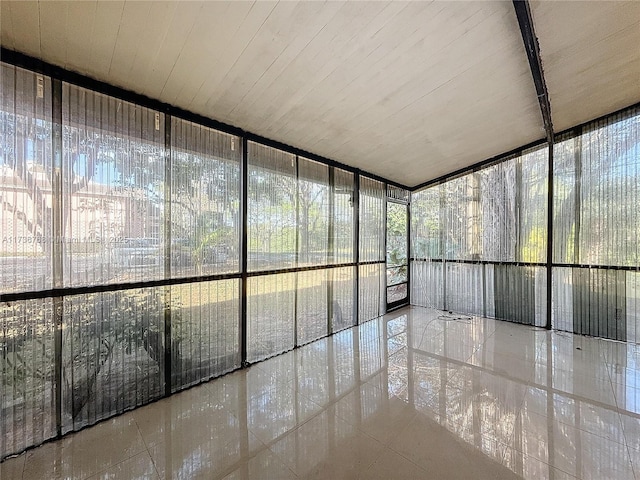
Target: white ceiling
407,90
591,57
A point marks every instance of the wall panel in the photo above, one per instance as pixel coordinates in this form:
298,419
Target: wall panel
372,300
205,200
271,209
597,191
112,190
313,212
112,353
343,217
271,303
372,277
312,305
372,213
27,374
478,239
427,286
205,337
343,291
26,176
597,224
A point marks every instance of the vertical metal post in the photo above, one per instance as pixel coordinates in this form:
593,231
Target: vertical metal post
244,253
356,244
168,353
385,233
577,152
518,209
550,238
58,244
443,247
409,253
514,275
473,221
581,322
297,256
484,289
532,48
168,356
331,247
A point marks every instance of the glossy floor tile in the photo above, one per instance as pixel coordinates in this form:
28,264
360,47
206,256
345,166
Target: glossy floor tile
412,395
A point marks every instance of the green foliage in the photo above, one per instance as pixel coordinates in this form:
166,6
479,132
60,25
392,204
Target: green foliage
94,327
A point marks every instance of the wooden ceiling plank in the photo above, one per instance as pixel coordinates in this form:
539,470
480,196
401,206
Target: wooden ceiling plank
25,18
7,34
149,43
255,99
196,48
242,34
81,18
320,58
217,29
53,31
168,50
125,52
264,47
103,40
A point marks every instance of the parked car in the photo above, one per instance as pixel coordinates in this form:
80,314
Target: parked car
215,254
138,252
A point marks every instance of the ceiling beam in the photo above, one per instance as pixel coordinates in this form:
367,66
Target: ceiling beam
531,46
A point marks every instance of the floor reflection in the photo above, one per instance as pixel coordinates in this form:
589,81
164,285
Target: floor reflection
411,395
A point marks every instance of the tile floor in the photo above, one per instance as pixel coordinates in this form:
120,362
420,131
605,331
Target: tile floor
407,396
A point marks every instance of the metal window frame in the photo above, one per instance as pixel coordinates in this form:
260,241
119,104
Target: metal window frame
58,291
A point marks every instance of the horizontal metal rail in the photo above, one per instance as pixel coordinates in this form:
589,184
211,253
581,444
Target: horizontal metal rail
530,264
